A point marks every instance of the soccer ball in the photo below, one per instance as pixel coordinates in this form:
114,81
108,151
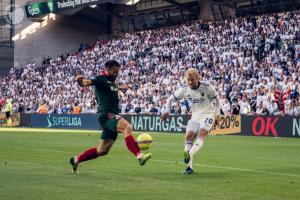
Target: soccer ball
144,141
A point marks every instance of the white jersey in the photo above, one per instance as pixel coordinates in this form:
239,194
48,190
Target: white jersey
201,99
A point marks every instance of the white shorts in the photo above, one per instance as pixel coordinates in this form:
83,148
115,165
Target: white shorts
205,122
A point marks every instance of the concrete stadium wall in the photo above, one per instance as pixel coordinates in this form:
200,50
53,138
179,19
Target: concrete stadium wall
52,36
146,5
205,10
6,59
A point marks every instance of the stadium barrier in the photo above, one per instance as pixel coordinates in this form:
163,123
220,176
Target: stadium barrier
177,124
143,123
15,117
65,121
274,126
228,125
25,120
152,123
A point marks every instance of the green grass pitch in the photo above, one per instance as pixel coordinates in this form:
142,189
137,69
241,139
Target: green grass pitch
34,165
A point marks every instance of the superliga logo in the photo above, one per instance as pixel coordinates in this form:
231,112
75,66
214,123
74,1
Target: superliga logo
15,15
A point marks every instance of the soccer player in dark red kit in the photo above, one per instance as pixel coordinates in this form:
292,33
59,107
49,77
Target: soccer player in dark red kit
108,116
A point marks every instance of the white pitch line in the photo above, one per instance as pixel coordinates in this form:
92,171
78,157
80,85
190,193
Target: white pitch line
249,170
170,161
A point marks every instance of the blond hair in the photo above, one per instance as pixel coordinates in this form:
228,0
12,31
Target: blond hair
192,72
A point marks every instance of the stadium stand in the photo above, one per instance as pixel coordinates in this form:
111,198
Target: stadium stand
254,63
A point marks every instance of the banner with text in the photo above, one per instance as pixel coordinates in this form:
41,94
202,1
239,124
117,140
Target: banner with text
177,124
36,9
82,121
152,123
274,126
143,123
227,125
59,5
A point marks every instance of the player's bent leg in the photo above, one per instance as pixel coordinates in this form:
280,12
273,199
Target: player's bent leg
198,144
191,133
189,137
88,154
126,129
203,134
104,147
92,153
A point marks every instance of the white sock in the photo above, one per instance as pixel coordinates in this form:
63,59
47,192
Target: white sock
188,145
196,147
75,160
140,155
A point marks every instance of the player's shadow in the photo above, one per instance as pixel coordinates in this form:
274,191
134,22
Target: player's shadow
200,174
211,175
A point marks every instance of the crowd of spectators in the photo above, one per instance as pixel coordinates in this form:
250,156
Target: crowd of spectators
253,63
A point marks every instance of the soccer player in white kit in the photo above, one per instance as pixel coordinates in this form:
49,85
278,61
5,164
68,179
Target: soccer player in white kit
205,105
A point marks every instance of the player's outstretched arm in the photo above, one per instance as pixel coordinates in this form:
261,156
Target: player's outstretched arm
166,114
178,94
83,82
217,119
